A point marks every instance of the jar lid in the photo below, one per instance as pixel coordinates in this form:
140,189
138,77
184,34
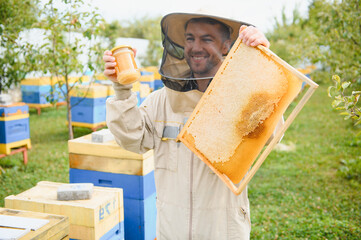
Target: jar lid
121,46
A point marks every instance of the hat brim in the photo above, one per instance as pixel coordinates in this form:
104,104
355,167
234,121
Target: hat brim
173,25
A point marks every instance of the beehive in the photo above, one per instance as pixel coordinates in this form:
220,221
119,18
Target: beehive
147,78
102,215
240,110
32,225
37,90
88,104
14,127
106,164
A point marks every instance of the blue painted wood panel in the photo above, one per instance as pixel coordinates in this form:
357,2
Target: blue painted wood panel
140,218
14,130
134,187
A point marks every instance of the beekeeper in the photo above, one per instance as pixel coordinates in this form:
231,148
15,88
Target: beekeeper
192,202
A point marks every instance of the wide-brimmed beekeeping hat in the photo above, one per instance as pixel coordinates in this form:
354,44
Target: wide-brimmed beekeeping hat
174,68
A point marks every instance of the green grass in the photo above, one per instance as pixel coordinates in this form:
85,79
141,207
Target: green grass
299,194
295,195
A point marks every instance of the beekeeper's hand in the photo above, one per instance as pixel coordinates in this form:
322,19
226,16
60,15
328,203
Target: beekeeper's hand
110,64
252,36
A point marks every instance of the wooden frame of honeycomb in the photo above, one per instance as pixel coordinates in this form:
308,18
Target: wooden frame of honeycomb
232,126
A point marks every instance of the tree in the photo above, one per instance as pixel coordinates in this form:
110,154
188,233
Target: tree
69,34
16,57
331,37
337,25
347,103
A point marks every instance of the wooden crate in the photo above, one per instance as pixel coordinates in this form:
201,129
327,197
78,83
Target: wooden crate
241,164
56,227
89,219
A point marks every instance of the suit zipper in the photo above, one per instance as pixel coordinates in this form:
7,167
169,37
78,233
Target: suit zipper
191,197
245,215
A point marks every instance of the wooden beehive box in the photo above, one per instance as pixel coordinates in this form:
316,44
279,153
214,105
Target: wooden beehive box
240,110
25,225
89,219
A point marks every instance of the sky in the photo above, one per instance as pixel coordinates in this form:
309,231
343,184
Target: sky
260,13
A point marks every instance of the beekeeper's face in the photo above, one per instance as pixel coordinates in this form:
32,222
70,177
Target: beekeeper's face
204,47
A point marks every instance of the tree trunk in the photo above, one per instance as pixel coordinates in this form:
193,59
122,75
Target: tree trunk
68,106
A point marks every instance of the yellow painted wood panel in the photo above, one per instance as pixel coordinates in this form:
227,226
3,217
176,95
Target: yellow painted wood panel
84,145
112,165
84,232
6,147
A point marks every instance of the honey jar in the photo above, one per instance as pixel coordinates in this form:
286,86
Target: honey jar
126,68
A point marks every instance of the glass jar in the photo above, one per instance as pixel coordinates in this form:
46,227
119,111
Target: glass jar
126,68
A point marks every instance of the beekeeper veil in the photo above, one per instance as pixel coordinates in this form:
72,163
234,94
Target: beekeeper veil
175,71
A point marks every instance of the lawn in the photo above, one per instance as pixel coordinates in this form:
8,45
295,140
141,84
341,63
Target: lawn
297,194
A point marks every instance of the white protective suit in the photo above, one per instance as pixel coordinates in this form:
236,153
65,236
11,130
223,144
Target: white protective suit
192,202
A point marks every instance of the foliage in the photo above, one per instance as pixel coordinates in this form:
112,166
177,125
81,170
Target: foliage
16,56
294,195
145,28
337,27
329,37
70,33
348,104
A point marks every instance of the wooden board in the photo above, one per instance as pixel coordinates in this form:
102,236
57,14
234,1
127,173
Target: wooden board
249,148
56,226
22,222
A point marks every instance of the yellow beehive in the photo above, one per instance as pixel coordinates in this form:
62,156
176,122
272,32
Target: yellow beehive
89,219
55,227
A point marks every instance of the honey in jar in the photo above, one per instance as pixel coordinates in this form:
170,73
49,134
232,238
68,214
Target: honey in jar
126,68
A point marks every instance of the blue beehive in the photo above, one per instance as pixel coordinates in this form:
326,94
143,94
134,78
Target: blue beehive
88,104
37,90
36,94
14,127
